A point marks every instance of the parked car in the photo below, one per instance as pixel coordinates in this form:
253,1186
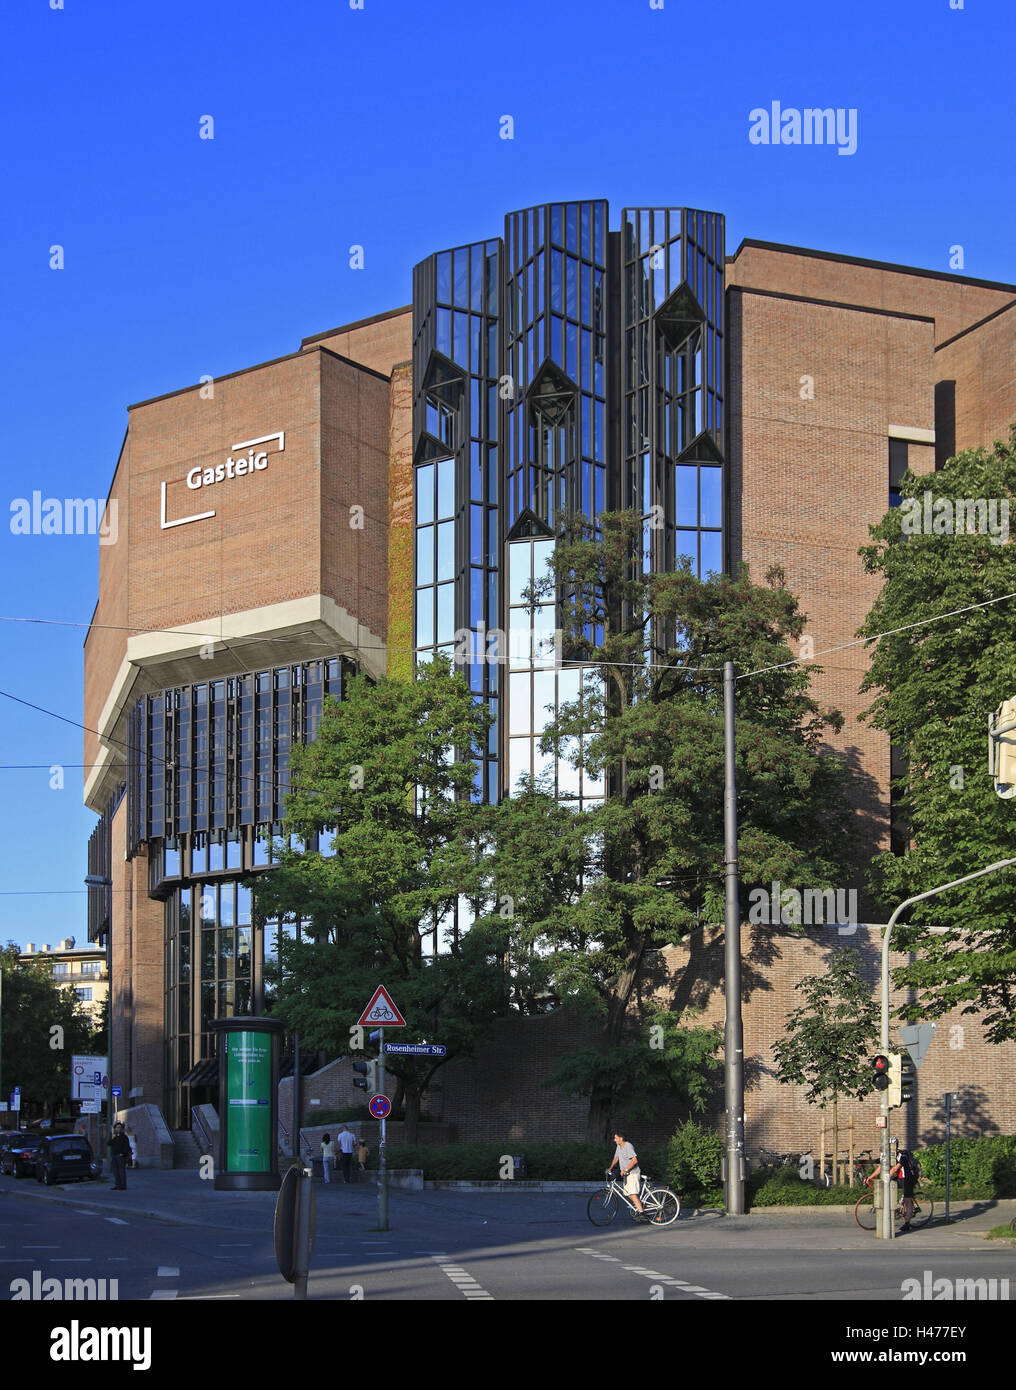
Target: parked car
17,1154
7,1137
64,1156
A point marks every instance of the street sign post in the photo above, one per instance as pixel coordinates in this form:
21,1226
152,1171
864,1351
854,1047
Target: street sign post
916,1037
382,1012
117,1090
380,1107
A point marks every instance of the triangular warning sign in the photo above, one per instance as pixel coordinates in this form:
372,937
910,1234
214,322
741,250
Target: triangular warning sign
381,1011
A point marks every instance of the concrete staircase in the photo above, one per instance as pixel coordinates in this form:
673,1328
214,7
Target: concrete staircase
186,1153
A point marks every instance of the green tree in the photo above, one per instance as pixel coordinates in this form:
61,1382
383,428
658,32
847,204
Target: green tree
829,1039
596,896
382,778
42,1026
936,679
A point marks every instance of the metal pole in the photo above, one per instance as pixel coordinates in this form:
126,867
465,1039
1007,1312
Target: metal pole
733,1032
302,1241
887,1231
382,1157
296,1096
948,1147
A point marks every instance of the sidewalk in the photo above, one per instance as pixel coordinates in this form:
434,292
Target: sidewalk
180,1197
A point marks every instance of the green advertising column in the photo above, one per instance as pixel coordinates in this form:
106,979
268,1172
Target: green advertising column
248,1104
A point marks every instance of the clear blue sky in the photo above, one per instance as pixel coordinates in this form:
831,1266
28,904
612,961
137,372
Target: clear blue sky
379,127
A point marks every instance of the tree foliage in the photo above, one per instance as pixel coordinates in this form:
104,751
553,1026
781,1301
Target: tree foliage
43,1025
381,777
597,894
829,1039
935,681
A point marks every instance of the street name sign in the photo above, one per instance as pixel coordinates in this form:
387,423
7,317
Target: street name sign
417,1049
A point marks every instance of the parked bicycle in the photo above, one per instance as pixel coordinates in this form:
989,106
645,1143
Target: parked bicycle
866,1215
660,1205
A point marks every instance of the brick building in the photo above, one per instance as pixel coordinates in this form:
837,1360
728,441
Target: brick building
364,498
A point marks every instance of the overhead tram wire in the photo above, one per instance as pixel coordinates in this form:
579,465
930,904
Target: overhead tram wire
647,665
654,665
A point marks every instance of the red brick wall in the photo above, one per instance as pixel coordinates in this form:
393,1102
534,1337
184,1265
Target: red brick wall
953,303
354,473
982,363
808,476
378,343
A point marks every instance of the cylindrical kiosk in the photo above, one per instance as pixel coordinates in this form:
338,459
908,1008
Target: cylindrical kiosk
248,1104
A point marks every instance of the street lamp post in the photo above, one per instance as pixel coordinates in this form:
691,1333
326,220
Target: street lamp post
887,1231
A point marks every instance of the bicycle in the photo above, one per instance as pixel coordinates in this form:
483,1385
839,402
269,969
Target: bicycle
660,1205
865,1214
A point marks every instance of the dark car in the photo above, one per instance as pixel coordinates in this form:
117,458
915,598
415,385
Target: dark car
64,1156
17,1154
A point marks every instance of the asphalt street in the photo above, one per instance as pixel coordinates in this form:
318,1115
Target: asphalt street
172,1237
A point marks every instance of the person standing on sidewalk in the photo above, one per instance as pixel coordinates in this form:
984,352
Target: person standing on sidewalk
327,1156
346,1141
120,1149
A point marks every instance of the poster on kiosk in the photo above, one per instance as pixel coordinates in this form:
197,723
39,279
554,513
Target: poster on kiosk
248,1104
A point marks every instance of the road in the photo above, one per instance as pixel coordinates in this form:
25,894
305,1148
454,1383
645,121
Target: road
462,1247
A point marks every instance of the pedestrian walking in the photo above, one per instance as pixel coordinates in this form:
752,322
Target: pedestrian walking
120,1150
327,1156
361,1156
346,1141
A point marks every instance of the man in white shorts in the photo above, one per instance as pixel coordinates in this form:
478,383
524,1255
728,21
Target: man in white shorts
628,1166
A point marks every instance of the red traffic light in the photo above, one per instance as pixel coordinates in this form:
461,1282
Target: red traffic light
880,1066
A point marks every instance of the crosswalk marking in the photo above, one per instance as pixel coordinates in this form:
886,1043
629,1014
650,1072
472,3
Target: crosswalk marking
654,1274
465,1283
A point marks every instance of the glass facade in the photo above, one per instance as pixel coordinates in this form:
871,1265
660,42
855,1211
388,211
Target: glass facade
207,778
205,761
562,369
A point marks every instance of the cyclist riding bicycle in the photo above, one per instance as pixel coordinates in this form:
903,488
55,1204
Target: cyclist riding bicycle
628,1166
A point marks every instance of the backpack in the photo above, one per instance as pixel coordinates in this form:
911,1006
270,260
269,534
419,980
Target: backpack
909,1166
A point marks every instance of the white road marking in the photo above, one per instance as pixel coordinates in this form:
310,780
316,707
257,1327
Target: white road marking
115,1221
167,1272
75,1260
464,1282
656,1276
162,1293
80,1212
40,1247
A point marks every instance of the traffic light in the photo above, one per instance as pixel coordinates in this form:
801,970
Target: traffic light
1003,750
880,1068
902,1074
367,1079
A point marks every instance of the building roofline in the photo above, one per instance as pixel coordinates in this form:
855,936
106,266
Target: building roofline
299,355
979,324
873,265
357,323
831,303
